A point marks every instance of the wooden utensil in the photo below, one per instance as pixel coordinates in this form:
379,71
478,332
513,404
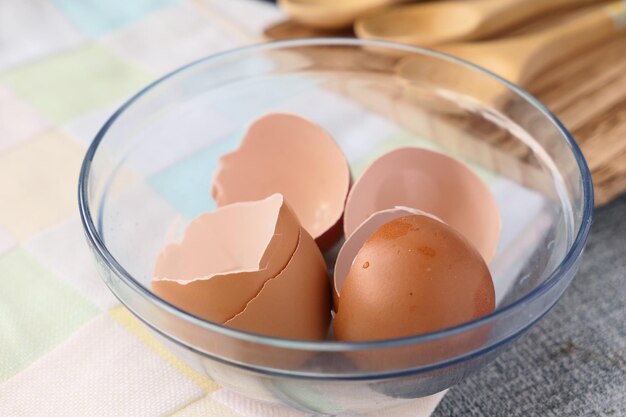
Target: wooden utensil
290,29
331,14
520,58
435,23
586,91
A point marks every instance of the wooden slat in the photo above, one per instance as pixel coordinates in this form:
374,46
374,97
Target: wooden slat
588,94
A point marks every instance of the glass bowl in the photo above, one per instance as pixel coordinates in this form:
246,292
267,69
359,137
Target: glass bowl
148,173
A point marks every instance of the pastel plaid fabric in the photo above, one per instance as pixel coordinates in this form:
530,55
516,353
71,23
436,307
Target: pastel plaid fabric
67,348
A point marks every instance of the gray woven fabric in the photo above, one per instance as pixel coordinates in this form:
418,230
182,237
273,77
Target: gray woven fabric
573,362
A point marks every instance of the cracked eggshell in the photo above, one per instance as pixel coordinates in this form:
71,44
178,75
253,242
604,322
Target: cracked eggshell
287,154
430,181
226,256
353,244
413,275
296,303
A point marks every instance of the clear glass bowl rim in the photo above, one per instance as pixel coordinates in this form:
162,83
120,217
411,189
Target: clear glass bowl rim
333,346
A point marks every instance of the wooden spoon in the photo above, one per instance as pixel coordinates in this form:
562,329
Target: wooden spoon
290,29
331,14
520,58
452,21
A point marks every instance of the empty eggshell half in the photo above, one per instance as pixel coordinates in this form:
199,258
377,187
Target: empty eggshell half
434,183
287,154
355,242
226,256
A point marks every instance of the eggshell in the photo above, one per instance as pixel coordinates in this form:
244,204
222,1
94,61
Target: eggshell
287,154
296,303
432,182
413,275
353,244
226,256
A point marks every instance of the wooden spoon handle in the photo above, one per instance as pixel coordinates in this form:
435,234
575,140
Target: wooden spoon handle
550,46
498,14
331,14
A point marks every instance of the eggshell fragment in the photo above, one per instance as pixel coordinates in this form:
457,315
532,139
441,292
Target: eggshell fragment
413,275
353,244
287,154
296,303
226,256
432,182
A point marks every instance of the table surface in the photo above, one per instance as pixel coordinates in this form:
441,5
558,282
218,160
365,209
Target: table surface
64,67
573,362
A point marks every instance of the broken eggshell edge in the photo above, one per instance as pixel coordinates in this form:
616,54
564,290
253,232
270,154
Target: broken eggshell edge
355,241
315,160
430,181
296,303
266,230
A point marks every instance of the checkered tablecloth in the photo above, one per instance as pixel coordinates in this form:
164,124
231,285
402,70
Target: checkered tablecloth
67,348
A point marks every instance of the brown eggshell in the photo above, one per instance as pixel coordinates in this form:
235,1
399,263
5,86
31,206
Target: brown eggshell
434,183
226,256
287,154
353,244
413,275
296,303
